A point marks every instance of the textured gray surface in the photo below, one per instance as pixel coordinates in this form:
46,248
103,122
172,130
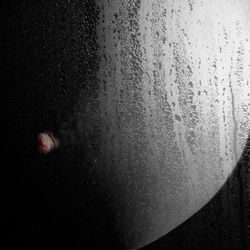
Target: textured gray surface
223,223
174,98
151,102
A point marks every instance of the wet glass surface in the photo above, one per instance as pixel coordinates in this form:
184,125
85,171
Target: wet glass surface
150,101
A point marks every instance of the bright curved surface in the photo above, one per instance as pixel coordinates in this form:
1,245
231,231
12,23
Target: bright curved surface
172,109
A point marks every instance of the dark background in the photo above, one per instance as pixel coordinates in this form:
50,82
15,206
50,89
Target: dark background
39,69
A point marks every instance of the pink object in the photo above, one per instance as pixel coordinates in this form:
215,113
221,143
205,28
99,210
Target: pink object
47,142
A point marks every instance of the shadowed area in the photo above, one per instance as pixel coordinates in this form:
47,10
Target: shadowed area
53,199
